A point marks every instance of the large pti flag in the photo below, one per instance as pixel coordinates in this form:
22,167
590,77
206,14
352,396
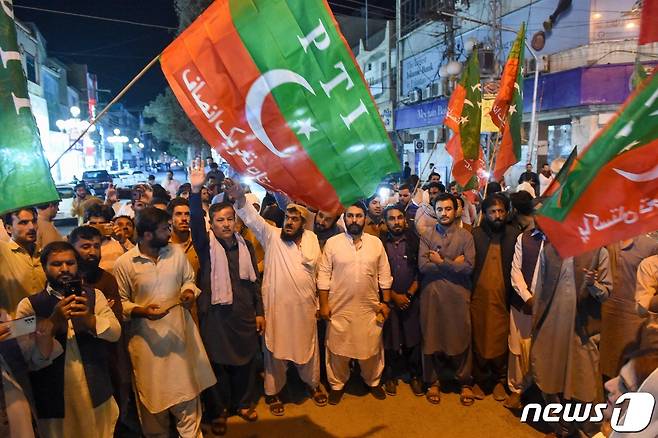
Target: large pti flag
25,178
274,88
611,189
507,110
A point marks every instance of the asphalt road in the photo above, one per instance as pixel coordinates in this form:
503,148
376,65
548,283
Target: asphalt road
404,415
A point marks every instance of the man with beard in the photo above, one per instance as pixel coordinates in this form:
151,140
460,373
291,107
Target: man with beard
100,217
353,271
492,292
21,274
402,328
73,396
326,226
87,242
425,219
156,283
374,223
230,308
179,210
564,357
445,259
289,297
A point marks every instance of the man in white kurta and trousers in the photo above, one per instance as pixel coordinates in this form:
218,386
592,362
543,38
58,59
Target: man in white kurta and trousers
73,395
525,267
171,368
289,298
353,270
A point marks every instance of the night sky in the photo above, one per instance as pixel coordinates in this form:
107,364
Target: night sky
117,51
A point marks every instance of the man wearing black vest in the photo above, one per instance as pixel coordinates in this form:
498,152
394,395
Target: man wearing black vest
492,292
525,266
73,396
87,241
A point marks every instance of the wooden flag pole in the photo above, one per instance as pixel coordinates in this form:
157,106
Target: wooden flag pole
125,89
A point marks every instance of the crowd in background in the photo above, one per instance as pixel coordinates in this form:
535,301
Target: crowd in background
182,306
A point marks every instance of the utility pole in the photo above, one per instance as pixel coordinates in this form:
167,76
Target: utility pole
366,42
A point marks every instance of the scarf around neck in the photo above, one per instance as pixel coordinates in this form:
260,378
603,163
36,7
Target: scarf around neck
220,278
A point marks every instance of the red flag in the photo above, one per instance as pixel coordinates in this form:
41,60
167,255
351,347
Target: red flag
649,23
507,110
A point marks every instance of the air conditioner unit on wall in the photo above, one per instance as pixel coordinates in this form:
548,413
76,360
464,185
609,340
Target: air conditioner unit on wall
427,92
414,95
435,89
531,65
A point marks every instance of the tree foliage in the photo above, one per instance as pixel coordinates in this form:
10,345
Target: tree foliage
169,124
164,116
188,10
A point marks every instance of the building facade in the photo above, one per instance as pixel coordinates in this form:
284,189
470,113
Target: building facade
585,70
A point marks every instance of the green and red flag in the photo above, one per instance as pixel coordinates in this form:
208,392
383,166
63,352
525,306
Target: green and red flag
611,189
25,178
507,110
464,118
274,88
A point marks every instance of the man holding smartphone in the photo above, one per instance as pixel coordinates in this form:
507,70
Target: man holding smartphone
73,395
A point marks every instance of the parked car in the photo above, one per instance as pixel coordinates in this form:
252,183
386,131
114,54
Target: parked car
98,180
66,195
121,179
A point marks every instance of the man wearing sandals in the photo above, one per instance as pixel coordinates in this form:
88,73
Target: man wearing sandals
289,298
492,296
230,308
402,329
445,260
353,270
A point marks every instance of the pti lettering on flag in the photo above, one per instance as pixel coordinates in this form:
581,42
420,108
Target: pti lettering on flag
610,192
274,88
22,163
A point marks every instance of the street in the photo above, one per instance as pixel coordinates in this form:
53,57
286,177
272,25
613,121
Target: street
403,415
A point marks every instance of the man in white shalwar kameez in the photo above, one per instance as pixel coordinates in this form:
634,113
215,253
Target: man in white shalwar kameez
289,297
170,364
525,267
73,395
353,270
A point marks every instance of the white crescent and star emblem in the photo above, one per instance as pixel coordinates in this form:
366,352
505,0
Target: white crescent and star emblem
639,177
259,90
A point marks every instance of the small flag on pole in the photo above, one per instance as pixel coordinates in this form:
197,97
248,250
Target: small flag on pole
611,190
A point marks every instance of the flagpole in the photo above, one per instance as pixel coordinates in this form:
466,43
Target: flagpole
125,89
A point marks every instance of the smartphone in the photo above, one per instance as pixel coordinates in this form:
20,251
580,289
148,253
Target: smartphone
22,326
73,287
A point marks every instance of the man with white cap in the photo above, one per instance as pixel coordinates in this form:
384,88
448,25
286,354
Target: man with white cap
289,297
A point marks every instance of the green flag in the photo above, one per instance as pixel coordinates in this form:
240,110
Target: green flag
25,178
